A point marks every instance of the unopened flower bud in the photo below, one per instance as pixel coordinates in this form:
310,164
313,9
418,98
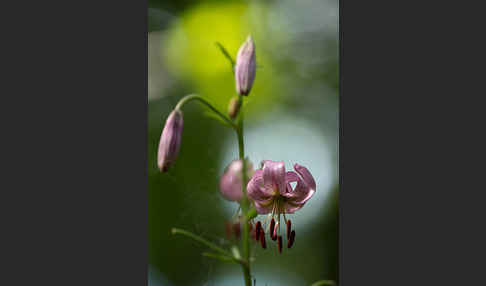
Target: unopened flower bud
234,107
170,140
230,182
245,67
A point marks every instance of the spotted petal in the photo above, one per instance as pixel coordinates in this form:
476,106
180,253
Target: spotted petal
255,188
306,176
274,175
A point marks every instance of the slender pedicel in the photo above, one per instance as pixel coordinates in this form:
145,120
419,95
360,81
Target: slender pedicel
291,240
279,244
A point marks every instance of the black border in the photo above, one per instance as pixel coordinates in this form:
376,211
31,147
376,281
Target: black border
77,223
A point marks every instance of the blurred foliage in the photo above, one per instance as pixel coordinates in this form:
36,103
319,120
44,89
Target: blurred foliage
298,73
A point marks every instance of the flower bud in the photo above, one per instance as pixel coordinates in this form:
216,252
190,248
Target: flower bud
230,182
245,67
170,140
234,107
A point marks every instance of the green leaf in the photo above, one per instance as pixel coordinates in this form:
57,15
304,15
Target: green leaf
219,257
252,213
227,55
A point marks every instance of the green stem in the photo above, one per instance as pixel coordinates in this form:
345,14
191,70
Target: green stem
201,240
244,202
201,99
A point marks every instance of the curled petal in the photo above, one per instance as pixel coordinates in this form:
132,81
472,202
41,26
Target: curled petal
301,194
291,207
274,176
306,176
255,189
305,189
289,178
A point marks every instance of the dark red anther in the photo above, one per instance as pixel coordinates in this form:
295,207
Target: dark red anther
237,230
272,227
289,228
227,226
291,239
274,237
258,228
262,239
280,244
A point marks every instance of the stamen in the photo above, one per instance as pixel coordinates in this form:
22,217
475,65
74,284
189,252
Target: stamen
280,244
258,228
227,227
262,240
289,228
272,228
237,230
291,239
275,234
253,235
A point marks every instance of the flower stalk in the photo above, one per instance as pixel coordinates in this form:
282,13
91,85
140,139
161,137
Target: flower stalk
245,204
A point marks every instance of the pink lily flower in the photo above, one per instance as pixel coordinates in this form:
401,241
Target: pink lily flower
271,191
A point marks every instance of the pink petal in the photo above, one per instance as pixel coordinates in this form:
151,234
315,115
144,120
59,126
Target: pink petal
255,189
230,182
274,175
264,207
305,189
291,208
289,178
306,176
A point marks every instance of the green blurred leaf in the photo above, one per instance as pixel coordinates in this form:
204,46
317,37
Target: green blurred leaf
220,257
227,55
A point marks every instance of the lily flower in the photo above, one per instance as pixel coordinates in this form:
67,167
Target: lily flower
272,193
